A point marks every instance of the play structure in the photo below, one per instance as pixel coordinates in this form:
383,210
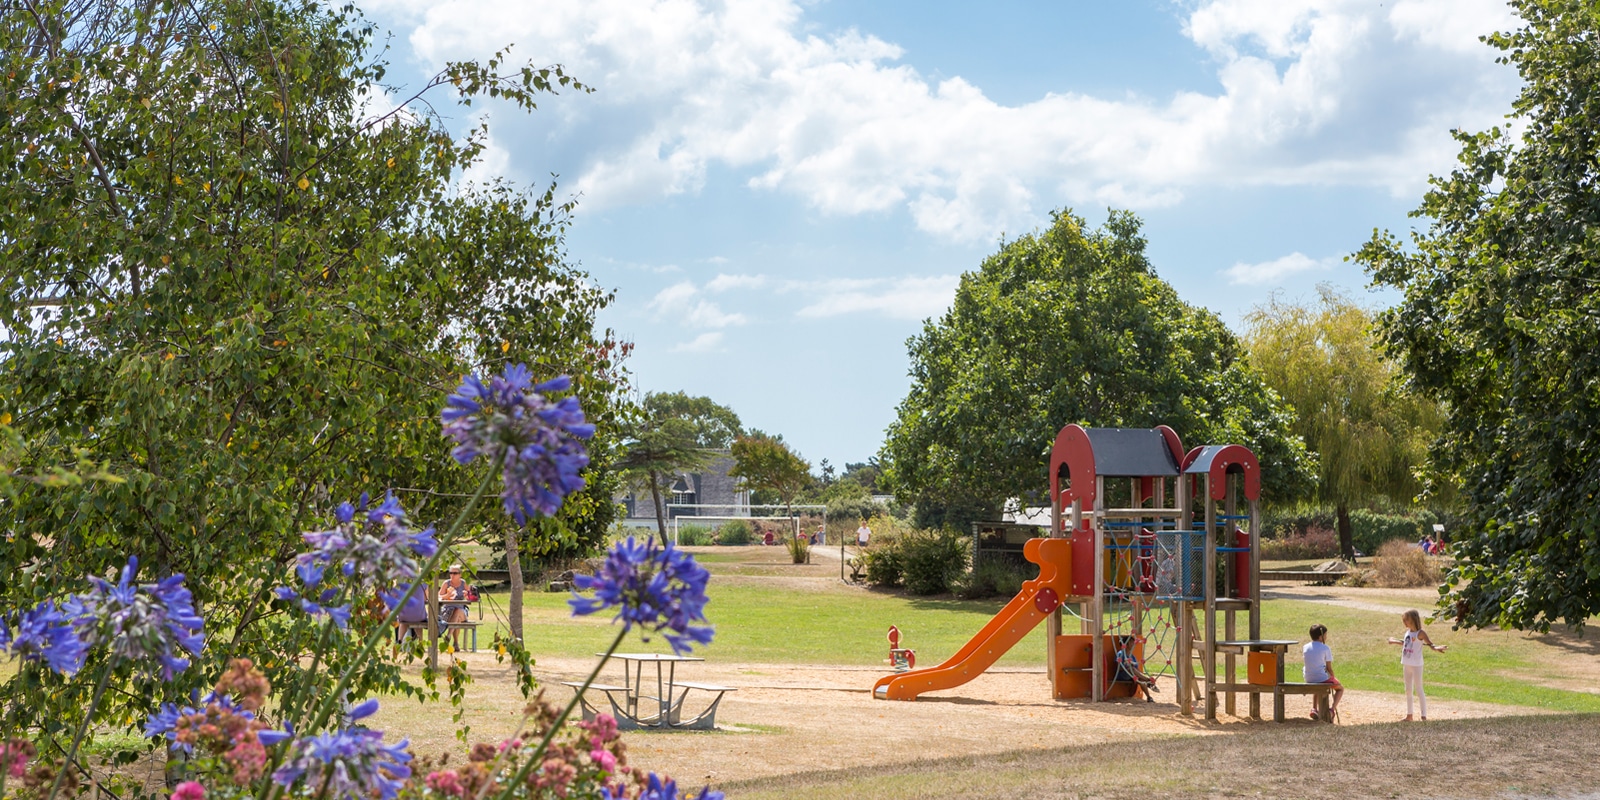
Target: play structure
1152,553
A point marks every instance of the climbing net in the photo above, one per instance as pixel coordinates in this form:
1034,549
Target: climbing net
1139,610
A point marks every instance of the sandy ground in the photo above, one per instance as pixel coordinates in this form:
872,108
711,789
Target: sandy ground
787,719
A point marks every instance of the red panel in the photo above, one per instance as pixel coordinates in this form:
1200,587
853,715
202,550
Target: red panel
1083,562
1072,449
1241,565
1234,455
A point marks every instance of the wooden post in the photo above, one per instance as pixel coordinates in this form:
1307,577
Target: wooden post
433,623
1233,580
1096,598
1180,611
1208,647
1255,592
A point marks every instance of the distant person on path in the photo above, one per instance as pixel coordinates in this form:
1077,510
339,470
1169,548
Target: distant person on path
1319,667
1411,658
863,534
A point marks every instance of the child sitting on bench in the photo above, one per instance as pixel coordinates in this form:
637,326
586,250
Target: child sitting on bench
1319,667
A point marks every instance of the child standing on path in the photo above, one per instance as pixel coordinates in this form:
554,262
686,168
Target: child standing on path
1319,667
1411,658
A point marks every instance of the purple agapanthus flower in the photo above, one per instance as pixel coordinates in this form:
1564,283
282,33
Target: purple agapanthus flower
536,443
353,764
141,622
377,549
46,633
658,788
658,589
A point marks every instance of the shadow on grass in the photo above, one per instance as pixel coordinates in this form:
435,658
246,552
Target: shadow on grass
1568,639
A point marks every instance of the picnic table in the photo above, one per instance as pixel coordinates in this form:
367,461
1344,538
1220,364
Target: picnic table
634,708
1266,674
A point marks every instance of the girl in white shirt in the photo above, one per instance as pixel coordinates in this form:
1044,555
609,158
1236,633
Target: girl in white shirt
1411,658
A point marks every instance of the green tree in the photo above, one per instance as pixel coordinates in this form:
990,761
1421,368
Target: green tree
765,463
247,296
1500,322
714,426
1370,434
669,434
1067,326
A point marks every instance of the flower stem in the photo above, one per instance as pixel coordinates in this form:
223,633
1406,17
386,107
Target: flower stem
538,752
77,738
325,708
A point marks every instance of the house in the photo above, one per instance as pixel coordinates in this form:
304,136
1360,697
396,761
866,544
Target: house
711,492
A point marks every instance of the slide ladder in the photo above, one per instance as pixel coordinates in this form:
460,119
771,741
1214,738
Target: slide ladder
1036,601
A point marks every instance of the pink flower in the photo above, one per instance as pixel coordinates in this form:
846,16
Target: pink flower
602,727
603,759
446,782
189,790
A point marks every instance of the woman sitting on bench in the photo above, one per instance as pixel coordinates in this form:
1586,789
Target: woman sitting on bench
454,589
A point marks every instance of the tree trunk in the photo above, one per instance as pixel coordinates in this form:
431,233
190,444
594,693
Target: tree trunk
1347,535
661,513
514,567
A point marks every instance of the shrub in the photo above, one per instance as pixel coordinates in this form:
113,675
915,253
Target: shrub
799,549
991,577
934,561
1317,542
884,565
1371,529
735,532
694,535
1403,565
851,510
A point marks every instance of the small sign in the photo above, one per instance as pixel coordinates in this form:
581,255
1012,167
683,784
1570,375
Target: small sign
1437,528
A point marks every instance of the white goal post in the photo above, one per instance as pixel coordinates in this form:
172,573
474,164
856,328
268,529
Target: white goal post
793,517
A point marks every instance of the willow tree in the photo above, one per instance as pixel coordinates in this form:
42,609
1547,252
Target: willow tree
1369,434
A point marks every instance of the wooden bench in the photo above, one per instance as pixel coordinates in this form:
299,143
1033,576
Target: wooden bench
706,720
1319,692
408,629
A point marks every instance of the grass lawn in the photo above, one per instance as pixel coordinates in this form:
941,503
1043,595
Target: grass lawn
768,611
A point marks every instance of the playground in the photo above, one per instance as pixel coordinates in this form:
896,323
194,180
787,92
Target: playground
804,650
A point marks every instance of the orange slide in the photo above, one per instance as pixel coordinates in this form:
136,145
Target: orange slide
1038,598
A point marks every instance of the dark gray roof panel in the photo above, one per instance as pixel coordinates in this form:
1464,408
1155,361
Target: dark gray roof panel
1130,452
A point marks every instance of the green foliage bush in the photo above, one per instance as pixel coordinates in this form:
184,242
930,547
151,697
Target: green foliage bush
1372,529
885,565
694,535
994,577
934,561
854,508
799,548
735,532
1316,542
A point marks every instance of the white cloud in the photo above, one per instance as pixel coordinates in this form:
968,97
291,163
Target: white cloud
683,302
723,282
1276,269
1313,92
898,298
704,343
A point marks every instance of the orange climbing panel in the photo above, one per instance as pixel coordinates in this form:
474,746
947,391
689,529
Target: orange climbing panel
1038,599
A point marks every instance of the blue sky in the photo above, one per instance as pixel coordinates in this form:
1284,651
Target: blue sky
781,192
